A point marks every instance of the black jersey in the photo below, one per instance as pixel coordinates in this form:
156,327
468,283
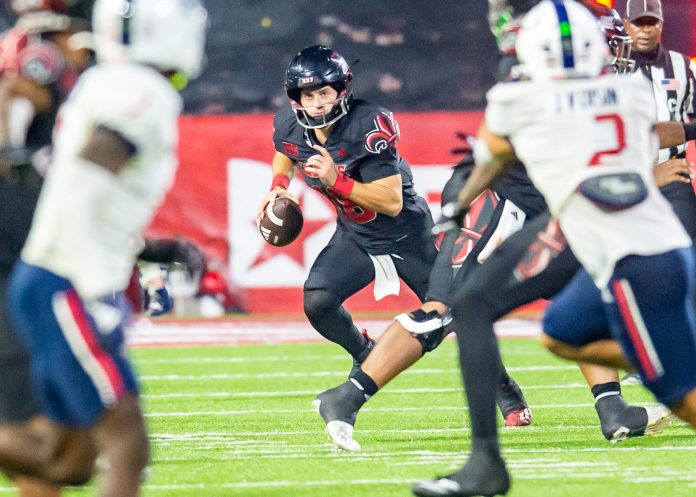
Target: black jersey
516,186
363,147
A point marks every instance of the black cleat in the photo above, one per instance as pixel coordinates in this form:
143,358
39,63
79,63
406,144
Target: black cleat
339,407
357,361
481,475
619,420
512,404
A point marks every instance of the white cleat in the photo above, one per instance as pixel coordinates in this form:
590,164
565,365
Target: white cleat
341,435
659,418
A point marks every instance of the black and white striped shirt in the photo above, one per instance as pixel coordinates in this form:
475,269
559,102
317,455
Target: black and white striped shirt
672,78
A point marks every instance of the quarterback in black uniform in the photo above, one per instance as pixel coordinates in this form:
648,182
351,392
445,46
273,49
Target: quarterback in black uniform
345,149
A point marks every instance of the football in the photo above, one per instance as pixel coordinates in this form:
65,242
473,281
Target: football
282,222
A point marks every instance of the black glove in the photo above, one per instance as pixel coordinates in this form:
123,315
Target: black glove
451,218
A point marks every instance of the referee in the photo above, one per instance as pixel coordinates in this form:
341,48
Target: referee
672,79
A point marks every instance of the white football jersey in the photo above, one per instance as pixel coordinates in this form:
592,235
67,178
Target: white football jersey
566,131
88,220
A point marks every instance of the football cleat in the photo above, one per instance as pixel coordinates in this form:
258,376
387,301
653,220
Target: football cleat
357,361
481,475
338,408
520,417
512,404
619,420
632,379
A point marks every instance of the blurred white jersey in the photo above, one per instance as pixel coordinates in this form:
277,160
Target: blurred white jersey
566,131
88,220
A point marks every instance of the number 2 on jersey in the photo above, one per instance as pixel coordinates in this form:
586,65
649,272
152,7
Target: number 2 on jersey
620,133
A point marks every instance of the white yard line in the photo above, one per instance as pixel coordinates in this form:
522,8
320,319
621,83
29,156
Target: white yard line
256,412
319,374
147,333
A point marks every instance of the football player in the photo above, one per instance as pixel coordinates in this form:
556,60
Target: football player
346,149
610,262
39,66
117,140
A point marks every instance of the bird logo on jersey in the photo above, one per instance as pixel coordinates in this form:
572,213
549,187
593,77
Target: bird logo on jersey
384,135
475,223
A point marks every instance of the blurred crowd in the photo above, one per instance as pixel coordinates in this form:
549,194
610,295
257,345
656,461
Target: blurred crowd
410,58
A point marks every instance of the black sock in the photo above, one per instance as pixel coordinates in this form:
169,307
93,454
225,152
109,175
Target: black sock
363,382
603,390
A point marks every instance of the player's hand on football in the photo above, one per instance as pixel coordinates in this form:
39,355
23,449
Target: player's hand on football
322,166
270,198
672,171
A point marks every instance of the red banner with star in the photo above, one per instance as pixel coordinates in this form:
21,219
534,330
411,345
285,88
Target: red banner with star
225,168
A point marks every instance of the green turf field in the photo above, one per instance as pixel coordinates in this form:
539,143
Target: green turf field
237,421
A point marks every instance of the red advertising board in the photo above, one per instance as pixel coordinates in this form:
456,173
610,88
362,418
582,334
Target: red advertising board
225,169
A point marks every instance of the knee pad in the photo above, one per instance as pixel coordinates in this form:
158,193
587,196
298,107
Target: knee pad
428,328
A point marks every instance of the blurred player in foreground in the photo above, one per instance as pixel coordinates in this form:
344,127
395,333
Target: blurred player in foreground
586,141
117,140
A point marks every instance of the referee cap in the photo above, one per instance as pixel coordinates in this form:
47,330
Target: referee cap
636,9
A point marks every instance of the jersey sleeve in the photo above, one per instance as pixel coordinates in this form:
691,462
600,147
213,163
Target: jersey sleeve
283,121
502,116
379,156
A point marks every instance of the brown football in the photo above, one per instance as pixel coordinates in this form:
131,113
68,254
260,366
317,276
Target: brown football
282,222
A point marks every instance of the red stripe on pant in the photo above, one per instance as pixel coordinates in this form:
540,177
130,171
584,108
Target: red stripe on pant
88,334
641,351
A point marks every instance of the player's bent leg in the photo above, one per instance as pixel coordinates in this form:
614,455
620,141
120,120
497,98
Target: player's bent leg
686,408
395,351
655,324
398,348
122,439
607,353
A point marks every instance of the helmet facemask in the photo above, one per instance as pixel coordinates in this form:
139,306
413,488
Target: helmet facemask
339,108
619,42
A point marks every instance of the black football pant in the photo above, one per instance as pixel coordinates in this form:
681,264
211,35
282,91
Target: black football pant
533,263
342,269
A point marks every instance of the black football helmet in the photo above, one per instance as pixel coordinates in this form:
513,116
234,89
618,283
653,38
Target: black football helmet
617,37
315,67
619,42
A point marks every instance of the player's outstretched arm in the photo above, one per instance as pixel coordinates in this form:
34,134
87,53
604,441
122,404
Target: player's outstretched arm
108,148
493,154
674,133
283,172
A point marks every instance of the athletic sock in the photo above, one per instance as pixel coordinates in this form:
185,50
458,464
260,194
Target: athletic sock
603,390
364,383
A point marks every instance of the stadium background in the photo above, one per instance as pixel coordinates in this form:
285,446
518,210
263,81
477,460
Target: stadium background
429,62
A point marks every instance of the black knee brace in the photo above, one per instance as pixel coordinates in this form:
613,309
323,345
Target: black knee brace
428,328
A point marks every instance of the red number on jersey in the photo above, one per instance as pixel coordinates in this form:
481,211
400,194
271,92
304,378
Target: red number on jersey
618,123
